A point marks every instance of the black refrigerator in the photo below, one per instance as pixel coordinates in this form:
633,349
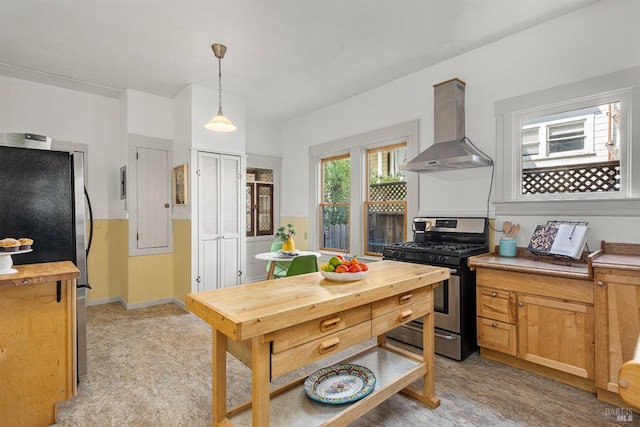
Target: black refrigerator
43,197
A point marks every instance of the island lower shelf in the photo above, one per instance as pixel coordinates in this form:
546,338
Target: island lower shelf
394,371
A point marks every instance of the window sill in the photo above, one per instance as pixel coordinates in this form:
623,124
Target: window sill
585,207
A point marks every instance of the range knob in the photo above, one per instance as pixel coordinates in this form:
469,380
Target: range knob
441,258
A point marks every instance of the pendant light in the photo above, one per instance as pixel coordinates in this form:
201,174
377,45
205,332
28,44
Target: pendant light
220,123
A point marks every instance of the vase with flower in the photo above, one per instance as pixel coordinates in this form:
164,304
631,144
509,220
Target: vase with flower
285,234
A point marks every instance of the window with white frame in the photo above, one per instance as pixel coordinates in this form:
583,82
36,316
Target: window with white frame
381,197
568,146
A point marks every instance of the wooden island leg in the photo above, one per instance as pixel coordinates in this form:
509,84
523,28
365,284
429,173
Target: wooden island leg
219,378
261,374
428,393
428,350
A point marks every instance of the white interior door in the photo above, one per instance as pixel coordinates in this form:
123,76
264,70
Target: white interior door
153,198
208,220
231,217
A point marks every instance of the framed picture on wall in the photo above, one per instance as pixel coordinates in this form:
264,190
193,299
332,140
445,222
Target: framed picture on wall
180,189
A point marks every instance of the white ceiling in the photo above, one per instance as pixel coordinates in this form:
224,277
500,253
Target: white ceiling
285,57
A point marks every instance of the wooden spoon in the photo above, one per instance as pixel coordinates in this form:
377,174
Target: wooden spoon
515,230
506,227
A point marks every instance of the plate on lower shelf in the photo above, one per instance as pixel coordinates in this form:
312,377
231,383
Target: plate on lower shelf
340,383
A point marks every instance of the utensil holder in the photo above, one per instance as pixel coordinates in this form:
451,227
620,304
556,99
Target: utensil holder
508,247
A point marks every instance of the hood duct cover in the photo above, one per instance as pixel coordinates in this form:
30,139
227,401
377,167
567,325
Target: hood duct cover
451,149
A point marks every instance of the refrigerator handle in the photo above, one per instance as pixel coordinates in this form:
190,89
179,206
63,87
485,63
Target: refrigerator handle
86,195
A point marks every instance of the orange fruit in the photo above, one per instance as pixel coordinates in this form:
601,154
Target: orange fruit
342,269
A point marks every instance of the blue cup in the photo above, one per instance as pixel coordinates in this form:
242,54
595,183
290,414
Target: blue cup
508,247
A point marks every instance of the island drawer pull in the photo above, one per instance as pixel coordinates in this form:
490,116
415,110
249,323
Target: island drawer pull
406,314
494,325
494,294
405,298
331,323
328,345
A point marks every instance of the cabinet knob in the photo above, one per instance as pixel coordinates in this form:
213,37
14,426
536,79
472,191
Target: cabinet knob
494,294
600,283
520,304
494,324
623,383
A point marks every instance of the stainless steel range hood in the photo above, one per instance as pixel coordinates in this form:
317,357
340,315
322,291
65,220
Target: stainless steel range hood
451,150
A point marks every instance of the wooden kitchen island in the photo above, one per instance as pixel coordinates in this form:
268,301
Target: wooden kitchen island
37,342
278,326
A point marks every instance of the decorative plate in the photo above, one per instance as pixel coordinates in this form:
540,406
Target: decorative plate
340,383
344,277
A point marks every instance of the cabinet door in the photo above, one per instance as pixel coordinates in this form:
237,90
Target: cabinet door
153,218
618,302
557,334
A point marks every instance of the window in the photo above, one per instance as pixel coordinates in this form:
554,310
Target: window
259,202
569,147
386,205
335,203
374,196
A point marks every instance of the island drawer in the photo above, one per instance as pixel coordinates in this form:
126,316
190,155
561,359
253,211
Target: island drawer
383,324
496,304
317,328
499,336
293,358
395,302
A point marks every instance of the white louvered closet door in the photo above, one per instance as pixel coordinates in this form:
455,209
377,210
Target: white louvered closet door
218,220
231,208
208,220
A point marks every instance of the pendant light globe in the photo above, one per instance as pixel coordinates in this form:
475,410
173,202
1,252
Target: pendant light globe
220,123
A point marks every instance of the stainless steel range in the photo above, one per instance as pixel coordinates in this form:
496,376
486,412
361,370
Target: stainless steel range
445,242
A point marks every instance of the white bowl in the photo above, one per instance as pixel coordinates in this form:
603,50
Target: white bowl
344,277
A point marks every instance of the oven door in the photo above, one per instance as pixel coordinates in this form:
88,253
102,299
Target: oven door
446,301
446,304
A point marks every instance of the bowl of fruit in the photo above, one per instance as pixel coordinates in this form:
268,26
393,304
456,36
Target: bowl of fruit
340,269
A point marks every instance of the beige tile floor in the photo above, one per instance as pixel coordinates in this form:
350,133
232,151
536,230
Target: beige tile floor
152,367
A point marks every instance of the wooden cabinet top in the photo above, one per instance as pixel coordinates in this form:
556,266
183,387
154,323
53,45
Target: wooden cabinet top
30,274
254,309
525,262
621,256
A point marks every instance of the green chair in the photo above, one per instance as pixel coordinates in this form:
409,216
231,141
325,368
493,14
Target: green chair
303,264
281,267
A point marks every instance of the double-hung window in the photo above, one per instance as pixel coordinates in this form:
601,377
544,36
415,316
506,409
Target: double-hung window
335,204
363,198
385,208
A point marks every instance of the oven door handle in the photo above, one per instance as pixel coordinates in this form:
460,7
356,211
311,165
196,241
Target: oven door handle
446,337
453,271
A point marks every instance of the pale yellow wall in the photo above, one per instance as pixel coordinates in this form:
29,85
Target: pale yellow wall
107,262
181,259
301,225
113,274
150,278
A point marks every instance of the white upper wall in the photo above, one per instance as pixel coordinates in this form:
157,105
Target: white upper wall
72,116
149,115
595,40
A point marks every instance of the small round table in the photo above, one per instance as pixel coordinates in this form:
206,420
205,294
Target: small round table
281,257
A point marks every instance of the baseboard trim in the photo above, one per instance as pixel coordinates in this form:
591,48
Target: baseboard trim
137,305
104,301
